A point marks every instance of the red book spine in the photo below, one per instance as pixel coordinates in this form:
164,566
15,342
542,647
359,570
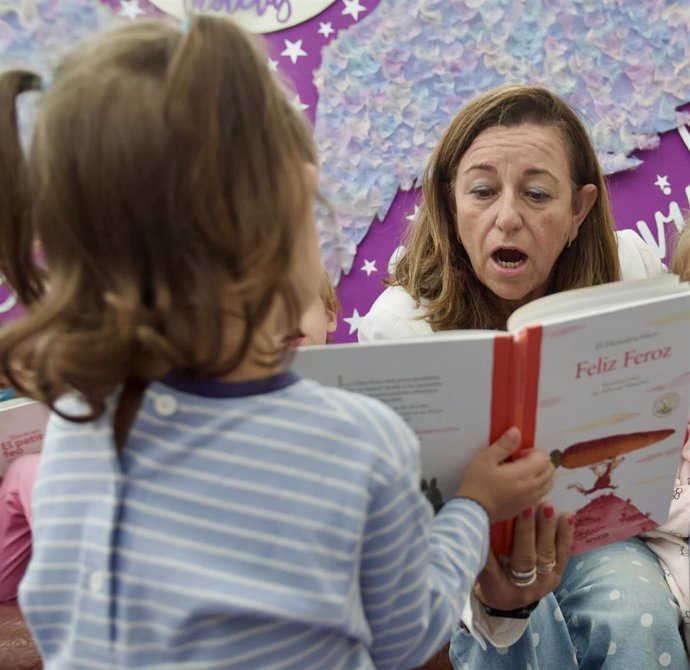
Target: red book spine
515,390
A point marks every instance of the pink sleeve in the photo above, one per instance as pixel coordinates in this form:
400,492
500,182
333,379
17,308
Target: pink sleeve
15,523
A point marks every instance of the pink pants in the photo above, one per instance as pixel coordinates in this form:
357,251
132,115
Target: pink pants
15,523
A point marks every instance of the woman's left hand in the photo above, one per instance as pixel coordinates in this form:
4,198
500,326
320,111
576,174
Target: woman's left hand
541,549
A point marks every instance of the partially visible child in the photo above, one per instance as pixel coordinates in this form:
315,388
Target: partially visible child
15,514
670,540
15,522
197,504
320,318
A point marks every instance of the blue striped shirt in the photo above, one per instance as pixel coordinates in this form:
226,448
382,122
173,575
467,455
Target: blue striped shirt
267,524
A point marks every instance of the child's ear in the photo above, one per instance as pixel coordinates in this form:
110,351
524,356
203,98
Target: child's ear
332,316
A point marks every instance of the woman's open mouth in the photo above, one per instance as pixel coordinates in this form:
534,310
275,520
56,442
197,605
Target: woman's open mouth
508,258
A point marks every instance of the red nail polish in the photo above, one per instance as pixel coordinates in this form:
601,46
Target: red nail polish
571,520
549,511
527,513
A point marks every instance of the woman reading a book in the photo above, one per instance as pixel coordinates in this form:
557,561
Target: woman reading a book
515,207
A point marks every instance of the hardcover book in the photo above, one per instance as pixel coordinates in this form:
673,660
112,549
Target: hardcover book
22,427
599,378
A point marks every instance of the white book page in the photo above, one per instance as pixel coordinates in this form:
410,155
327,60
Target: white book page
441,386
594,300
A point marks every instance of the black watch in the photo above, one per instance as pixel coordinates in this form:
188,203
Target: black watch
519,613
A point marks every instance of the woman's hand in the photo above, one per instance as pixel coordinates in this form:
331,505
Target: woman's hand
541,542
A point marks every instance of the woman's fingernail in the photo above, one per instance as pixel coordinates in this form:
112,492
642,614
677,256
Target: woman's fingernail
527,513
571,520
549,511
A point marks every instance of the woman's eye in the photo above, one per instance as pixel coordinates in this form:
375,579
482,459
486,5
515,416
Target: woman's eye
537,196
482,192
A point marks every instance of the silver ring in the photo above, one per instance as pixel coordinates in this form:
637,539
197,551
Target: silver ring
523,575
546,568
523,579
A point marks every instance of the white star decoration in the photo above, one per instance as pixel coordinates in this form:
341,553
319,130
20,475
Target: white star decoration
8,304
412,216
369,267
11,299
130,9
662,183
354,321
353,8
325,29
299,104
272,65
293,50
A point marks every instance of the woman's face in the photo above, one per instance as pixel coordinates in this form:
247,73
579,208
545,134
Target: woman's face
517,209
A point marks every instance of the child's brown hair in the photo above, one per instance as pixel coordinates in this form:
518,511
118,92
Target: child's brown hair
163,184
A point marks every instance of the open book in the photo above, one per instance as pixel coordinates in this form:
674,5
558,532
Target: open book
597,377
22,427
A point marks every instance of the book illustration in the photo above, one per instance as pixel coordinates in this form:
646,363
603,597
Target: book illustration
679,382
608,518
671,451
620,417
602,471
550,402
666,404
653,481
590,452
433,493
671,318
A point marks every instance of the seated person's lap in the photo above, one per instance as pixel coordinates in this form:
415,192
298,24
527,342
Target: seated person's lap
619,609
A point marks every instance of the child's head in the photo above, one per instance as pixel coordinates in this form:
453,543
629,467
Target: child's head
170,181
680,262
320,317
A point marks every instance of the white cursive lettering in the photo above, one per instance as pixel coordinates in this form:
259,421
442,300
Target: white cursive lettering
283,8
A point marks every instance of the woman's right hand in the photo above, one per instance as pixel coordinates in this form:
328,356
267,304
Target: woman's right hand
504,487
541,542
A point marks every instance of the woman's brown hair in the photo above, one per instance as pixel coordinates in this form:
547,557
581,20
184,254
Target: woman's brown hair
680,259
165,188
436,269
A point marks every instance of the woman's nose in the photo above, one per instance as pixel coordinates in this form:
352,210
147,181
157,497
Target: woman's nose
508,216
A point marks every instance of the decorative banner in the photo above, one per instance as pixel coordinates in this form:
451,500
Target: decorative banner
259,16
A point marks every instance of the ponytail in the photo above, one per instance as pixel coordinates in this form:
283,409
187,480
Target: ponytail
16,225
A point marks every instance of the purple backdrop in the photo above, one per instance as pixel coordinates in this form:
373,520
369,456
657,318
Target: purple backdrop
650,199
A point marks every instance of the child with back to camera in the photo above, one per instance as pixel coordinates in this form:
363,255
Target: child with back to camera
198,505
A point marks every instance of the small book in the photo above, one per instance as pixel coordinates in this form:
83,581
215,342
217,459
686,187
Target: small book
22,427
599,378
